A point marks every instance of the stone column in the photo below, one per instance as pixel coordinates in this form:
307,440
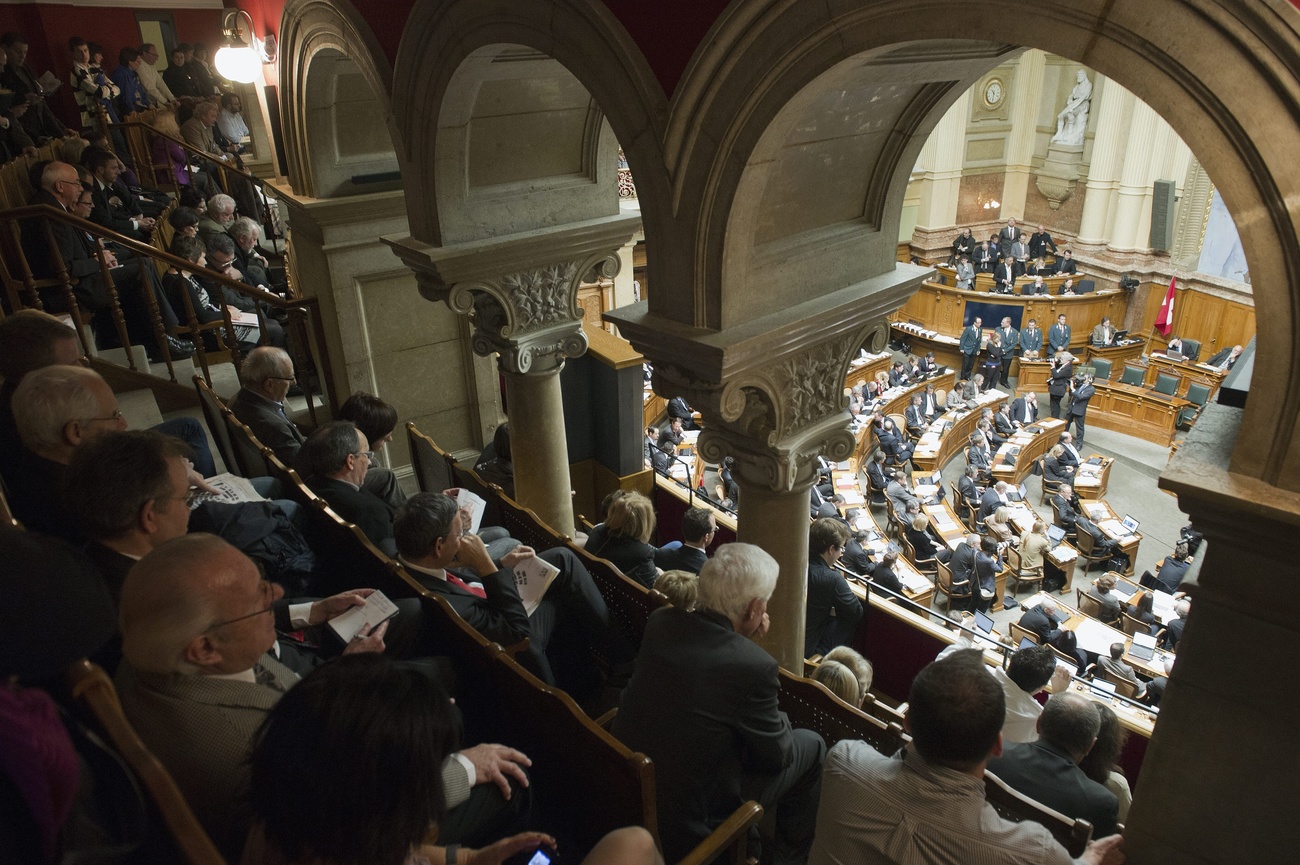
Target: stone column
771,395
1219,779
1107,157
521,294
1130,232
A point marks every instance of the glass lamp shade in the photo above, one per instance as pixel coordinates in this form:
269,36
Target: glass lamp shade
238,64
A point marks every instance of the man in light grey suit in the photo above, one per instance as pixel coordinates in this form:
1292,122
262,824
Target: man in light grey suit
266,377
202,668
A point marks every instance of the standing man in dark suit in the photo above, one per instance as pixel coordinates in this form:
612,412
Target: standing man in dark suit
1058,382
1058,337
431,536
38,120
1010,343
698,529
1048,770
1007,236
1005,276
334,460
1041,244
1031,340
1081,390
833,610
985,259
702,704
969,346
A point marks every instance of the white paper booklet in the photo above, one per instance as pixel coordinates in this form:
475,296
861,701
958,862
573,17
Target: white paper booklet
376,610
476,504
230,490
533,577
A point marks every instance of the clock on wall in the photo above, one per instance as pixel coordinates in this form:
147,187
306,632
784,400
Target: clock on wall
993,92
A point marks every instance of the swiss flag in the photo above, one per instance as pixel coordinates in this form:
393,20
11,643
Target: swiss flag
1165,318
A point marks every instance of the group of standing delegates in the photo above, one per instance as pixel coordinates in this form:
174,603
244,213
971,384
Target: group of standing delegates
1008,255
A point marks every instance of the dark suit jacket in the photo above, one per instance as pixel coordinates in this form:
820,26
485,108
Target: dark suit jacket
1044,772
1174,633
268,423
75,251
111,216
677,408
969,490
1037,621
1066,515
989,503
828,591
367,511
915,418
1053,470
1018,412
499,617
683,558
1221,356
1067,265
1172,572
1059,383
633,558
702,704
1079,405
112,566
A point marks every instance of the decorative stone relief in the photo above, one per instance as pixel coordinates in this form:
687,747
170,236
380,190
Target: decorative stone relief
777,418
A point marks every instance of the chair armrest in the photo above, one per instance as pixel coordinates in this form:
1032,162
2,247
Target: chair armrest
518,648
733,834
606,720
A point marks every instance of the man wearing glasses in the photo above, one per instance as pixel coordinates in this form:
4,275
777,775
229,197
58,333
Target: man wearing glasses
334,461
203,667
833,609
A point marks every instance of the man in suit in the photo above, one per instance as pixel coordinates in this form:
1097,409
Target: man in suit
1043,621
677,408
1103,334
1174,627
1048,769
432,536
651,443
1081,390
878,809
833,610
1010,342
980,455
1174,568
203,667
930,406
1020,254
672,432
334,460
985,259
1008,235
1058,380
898,493
876,472
245,232
1041,244
1070,456
1067,264
1031,340
962,564
1002,423
969,346
698,529
1035,287
967,487
1066,507
898,376
702,704
1058,336
79,255
1226,359
994,498
1115,665
38,120
915,417
1005,276
266,376
107,208
963,245
1024,410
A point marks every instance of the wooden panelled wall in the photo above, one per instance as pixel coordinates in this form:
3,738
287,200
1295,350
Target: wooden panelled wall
1217,322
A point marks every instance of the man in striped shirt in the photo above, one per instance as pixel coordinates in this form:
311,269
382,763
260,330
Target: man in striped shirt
927,807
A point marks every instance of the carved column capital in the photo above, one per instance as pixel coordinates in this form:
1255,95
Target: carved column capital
776,418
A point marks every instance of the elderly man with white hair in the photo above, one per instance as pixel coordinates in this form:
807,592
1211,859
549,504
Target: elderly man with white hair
246,233
219,216
702,703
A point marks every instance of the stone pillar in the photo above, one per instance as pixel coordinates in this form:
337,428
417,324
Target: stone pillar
521,294
1108,146
1026,92
771,395
1130,232
1218,780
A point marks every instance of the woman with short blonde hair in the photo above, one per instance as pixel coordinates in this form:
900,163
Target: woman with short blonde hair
839,680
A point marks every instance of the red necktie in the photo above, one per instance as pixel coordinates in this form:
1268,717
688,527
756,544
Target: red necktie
476,591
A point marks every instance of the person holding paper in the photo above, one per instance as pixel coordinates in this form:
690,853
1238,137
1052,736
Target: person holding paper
433,546
203,668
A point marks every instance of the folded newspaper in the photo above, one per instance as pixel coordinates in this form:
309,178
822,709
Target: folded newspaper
230,490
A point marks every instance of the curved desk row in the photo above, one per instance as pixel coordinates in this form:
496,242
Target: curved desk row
950,432
896,402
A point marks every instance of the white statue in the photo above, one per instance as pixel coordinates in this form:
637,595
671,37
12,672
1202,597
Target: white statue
1073,119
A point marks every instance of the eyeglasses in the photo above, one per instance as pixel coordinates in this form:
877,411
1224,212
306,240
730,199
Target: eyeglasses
370,455
280,378
265,589
115,417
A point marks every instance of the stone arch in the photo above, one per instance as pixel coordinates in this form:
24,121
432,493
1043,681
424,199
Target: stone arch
766,64
442,37
328,30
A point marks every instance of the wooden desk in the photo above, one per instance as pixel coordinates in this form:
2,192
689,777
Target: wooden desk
1118,355
1101,513
942,309
1188,374
1097,637
896,401
924,340
654,408
912,579
1032,446
1034,375
937,447
984,282
1090,481
865,369
1058,562
944,521
1134,410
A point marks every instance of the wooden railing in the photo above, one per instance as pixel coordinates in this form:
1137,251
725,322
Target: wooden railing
22,290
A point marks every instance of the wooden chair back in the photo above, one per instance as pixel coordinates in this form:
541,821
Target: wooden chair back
249,453
214,409
945,585
431,463
1133,625
1019,633
630,603
1015,806
1123,687
812,706
93,693
1088,605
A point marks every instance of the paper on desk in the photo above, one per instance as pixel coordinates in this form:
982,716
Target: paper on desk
1096,511
1113,528
533,576
477,506
1095,637
376,610
915,582
1064,554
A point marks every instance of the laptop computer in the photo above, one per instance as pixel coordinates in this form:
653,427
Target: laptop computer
983,622
1055,534
1143,647
1176,355
1130,525
1026,643
1102,687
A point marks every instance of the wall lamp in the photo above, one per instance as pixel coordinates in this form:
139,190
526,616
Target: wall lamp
240,61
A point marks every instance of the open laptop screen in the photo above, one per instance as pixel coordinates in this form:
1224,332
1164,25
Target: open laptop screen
983,622
1130,525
